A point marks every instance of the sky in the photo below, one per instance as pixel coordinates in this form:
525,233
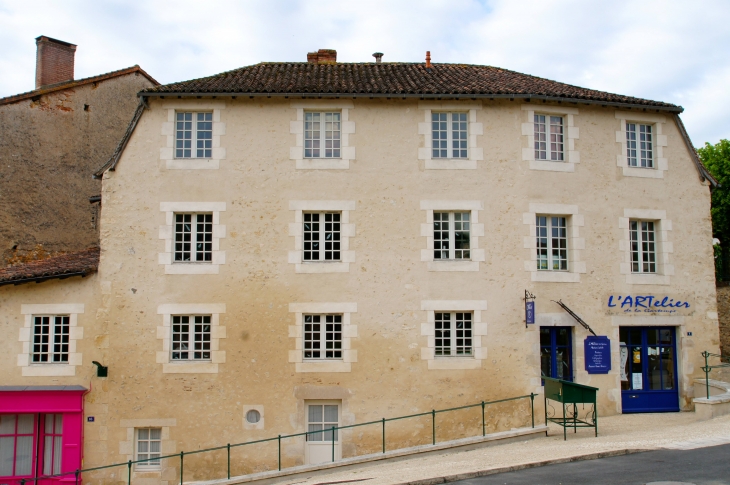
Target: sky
673,50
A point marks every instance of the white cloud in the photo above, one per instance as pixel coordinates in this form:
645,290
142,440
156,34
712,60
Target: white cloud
671,51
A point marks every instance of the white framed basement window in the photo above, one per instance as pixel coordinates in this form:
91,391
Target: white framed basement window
322,134
148,446
193,134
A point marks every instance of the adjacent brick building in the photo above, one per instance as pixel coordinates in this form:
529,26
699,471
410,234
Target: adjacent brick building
51,140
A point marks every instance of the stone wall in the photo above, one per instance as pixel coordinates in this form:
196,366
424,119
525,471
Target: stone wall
49,147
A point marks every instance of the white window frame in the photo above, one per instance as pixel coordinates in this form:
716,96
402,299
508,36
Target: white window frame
478,330
476,230
571,133
453,336
167,152
322,225
550,240
296,230
550,154
195,235
474,129
643,246
75,333
640,145
663,247
165,334
150,465
324,336
191,342
167,233
462,219
659,142
51,345
347,128
296,332
312,137
437,126
197,117
575,242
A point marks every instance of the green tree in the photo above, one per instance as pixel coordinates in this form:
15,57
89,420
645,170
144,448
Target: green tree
717,160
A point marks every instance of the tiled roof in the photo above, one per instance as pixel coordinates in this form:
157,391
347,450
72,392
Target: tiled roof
77,82
392,79
79,263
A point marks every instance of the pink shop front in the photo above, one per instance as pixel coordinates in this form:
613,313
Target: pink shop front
41,434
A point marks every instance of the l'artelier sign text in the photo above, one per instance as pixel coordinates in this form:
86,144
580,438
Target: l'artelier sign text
648,304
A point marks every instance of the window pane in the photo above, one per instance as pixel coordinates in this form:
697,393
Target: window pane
7,450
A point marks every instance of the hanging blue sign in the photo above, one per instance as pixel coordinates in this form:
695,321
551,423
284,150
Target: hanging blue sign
597,354
529,312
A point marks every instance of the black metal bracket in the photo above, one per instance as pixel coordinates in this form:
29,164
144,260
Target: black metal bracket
101,371
577,318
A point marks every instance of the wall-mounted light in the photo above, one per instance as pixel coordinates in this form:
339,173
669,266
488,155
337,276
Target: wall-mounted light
101,371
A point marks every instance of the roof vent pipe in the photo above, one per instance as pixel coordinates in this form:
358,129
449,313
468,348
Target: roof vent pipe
378,57
428,59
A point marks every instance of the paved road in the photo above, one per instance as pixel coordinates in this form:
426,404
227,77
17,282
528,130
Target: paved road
701,466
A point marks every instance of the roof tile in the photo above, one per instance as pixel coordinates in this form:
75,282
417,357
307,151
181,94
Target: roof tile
77,263
390,79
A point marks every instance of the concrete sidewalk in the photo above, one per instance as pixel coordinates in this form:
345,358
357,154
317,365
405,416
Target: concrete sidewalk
616,435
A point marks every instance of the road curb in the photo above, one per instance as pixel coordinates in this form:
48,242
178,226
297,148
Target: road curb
524,466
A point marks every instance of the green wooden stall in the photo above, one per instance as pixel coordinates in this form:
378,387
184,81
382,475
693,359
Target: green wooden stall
570,395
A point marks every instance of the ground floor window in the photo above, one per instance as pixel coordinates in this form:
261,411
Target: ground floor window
556,352
16,444
149,446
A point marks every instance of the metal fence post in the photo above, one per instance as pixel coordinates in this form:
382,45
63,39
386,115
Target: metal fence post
181,467
707,373
333,443
129,472
433,425
229,460
77,476
22,481
279,452
484,426
383,435
532,407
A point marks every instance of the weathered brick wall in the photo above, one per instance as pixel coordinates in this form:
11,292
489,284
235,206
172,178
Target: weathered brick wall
723,310
49,148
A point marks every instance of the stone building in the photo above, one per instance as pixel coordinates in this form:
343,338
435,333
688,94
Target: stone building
291,246
51,141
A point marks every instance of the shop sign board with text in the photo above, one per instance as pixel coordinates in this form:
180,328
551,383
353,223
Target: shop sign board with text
648,304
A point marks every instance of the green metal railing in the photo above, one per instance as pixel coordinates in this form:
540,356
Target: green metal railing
482,405
708,368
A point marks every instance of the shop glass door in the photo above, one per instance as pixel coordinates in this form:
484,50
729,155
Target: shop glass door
648,369
556,352
22,454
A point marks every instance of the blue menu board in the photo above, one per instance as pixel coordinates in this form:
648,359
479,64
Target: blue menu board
597,354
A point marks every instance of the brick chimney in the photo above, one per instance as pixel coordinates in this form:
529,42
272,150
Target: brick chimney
322,56
54,61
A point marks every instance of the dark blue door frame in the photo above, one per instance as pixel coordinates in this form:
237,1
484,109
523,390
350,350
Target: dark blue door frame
650,370
556,352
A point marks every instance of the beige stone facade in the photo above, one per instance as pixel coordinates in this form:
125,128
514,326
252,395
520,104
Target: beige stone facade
387,287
